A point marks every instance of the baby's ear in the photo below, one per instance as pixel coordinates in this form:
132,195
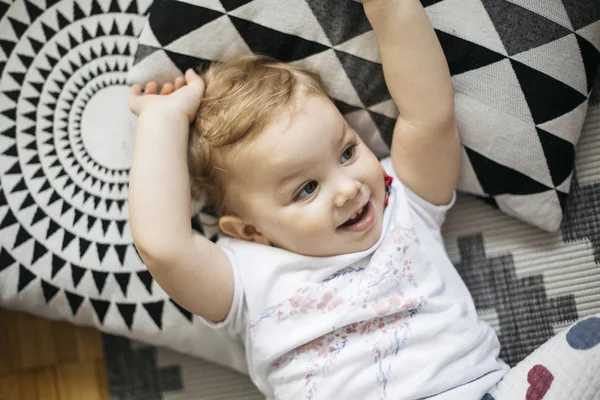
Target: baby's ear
235,227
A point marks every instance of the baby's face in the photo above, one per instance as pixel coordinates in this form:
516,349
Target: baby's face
310,185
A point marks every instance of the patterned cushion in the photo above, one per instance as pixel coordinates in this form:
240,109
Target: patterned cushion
522,71
66,136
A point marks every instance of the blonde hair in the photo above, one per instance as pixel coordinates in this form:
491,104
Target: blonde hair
243,96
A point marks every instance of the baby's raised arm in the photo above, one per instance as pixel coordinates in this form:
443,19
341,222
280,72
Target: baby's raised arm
195,272
425,148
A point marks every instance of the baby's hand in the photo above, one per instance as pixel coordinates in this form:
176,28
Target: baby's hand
184,95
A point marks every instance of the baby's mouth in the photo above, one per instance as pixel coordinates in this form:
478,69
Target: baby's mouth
359,215
361,220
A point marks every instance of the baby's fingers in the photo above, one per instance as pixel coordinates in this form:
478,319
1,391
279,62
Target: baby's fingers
135,99
167,88
179,82
136,89
151,88
194,84
192,78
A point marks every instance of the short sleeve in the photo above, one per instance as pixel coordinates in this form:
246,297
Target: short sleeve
235,321
434,215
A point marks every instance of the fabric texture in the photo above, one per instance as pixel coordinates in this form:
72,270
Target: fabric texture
564,368
522,72
395,318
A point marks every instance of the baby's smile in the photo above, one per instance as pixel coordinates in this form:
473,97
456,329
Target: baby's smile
361,220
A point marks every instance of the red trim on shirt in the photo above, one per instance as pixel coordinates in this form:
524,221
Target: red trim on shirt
388,187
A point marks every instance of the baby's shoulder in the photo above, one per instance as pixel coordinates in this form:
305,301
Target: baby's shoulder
245,254
405,199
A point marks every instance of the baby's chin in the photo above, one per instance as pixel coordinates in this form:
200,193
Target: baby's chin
343,246
365,244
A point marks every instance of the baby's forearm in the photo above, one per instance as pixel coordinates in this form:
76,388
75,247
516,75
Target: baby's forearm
414,64
159,193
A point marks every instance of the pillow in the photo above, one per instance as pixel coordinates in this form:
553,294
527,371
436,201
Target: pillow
66,136
522,72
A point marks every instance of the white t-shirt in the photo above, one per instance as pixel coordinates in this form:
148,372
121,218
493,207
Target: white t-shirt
392,322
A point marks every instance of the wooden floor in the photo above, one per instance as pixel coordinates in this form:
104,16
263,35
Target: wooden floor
48,360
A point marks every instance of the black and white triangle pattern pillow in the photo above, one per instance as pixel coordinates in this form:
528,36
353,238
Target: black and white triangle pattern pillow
522,71
66,137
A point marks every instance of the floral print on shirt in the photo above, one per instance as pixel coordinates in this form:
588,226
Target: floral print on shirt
374,306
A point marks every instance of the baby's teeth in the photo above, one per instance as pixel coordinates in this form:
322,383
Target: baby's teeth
356,214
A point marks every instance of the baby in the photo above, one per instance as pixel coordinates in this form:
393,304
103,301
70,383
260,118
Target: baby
332,268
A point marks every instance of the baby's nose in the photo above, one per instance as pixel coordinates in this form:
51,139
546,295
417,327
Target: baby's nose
347,191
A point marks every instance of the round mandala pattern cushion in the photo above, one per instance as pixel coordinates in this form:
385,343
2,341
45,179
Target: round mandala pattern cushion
66,137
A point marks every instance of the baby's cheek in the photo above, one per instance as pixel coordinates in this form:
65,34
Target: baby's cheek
306,223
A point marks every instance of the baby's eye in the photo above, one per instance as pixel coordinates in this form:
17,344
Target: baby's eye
348,154
307,190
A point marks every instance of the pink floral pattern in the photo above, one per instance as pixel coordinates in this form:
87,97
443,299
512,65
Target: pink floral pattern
374,306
